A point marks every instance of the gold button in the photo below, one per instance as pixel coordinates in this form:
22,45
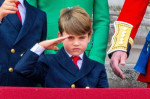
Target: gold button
121,42
10,69
12,50
125,28
122,35
121,39
73,86
123,32
87,87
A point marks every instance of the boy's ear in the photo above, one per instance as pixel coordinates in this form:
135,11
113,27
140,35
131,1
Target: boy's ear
59,34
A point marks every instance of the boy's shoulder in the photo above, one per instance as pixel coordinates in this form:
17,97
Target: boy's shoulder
95,62
93,65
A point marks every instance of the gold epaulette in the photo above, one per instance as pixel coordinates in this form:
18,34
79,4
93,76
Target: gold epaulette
121,38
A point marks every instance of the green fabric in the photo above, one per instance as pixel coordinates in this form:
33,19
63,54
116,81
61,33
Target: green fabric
98,8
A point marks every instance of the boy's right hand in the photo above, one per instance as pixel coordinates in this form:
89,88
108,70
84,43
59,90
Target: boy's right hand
51,44
8,7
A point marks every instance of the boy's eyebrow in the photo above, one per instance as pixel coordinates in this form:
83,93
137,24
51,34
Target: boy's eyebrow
70,36
83,36
79,36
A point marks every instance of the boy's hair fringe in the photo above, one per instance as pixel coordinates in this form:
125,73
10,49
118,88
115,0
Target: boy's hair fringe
74,20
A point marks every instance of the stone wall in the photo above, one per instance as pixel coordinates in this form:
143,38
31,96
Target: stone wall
131,75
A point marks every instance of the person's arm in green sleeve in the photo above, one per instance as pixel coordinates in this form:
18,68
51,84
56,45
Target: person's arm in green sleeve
101,22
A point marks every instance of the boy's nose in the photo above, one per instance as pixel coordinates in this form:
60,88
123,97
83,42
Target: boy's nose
76,42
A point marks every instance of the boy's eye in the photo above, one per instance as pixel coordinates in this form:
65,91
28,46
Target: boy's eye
83,37
70,37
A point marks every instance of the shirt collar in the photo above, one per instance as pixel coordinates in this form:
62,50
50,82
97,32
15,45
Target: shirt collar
21,2
81,55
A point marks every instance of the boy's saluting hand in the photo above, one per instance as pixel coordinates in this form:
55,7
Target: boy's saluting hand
8,7
51,44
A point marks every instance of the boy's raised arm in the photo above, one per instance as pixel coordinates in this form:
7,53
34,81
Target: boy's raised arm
51,44
32,66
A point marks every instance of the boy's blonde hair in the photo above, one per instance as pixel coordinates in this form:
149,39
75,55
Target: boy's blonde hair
74,20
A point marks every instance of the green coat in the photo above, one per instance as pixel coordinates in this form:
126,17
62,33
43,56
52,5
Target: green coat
96,49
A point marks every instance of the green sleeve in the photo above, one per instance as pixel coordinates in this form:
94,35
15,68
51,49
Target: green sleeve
101,22
33,2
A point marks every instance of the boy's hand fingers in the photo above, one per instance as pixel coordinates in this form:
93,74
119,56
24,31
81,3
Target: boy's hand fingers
57,40
55,48
60,39
52,48
50,44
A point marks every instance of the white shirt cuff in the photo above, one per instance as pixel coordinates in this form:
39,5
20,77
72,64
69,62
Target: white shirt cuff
37,49
0,21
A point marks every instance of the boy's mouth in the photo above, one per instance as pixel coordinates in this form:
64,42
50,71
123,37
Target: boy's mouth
76,49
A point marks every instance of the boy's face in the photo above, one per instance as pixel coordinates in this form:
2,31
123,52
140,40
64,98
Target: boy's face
75,44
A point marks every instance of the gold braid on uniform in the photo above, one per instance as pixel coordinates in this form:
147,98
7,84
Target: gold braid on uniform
121,39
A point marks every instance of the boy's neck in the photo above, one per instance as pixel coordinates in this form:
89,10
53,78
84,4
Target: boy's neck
81,55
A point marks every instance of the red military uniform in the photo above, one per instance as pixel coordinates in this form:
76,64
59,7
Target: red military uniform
132,13
126,28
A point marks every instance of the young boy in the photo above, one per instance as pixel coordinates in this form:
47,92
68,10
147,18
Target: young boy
70,67
21,26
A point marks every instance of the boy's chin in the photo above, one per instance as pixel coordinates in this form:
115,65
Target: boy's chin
76,54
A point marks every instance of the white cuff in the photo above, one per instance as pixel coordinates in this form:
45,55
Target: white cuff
37,49
0,21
